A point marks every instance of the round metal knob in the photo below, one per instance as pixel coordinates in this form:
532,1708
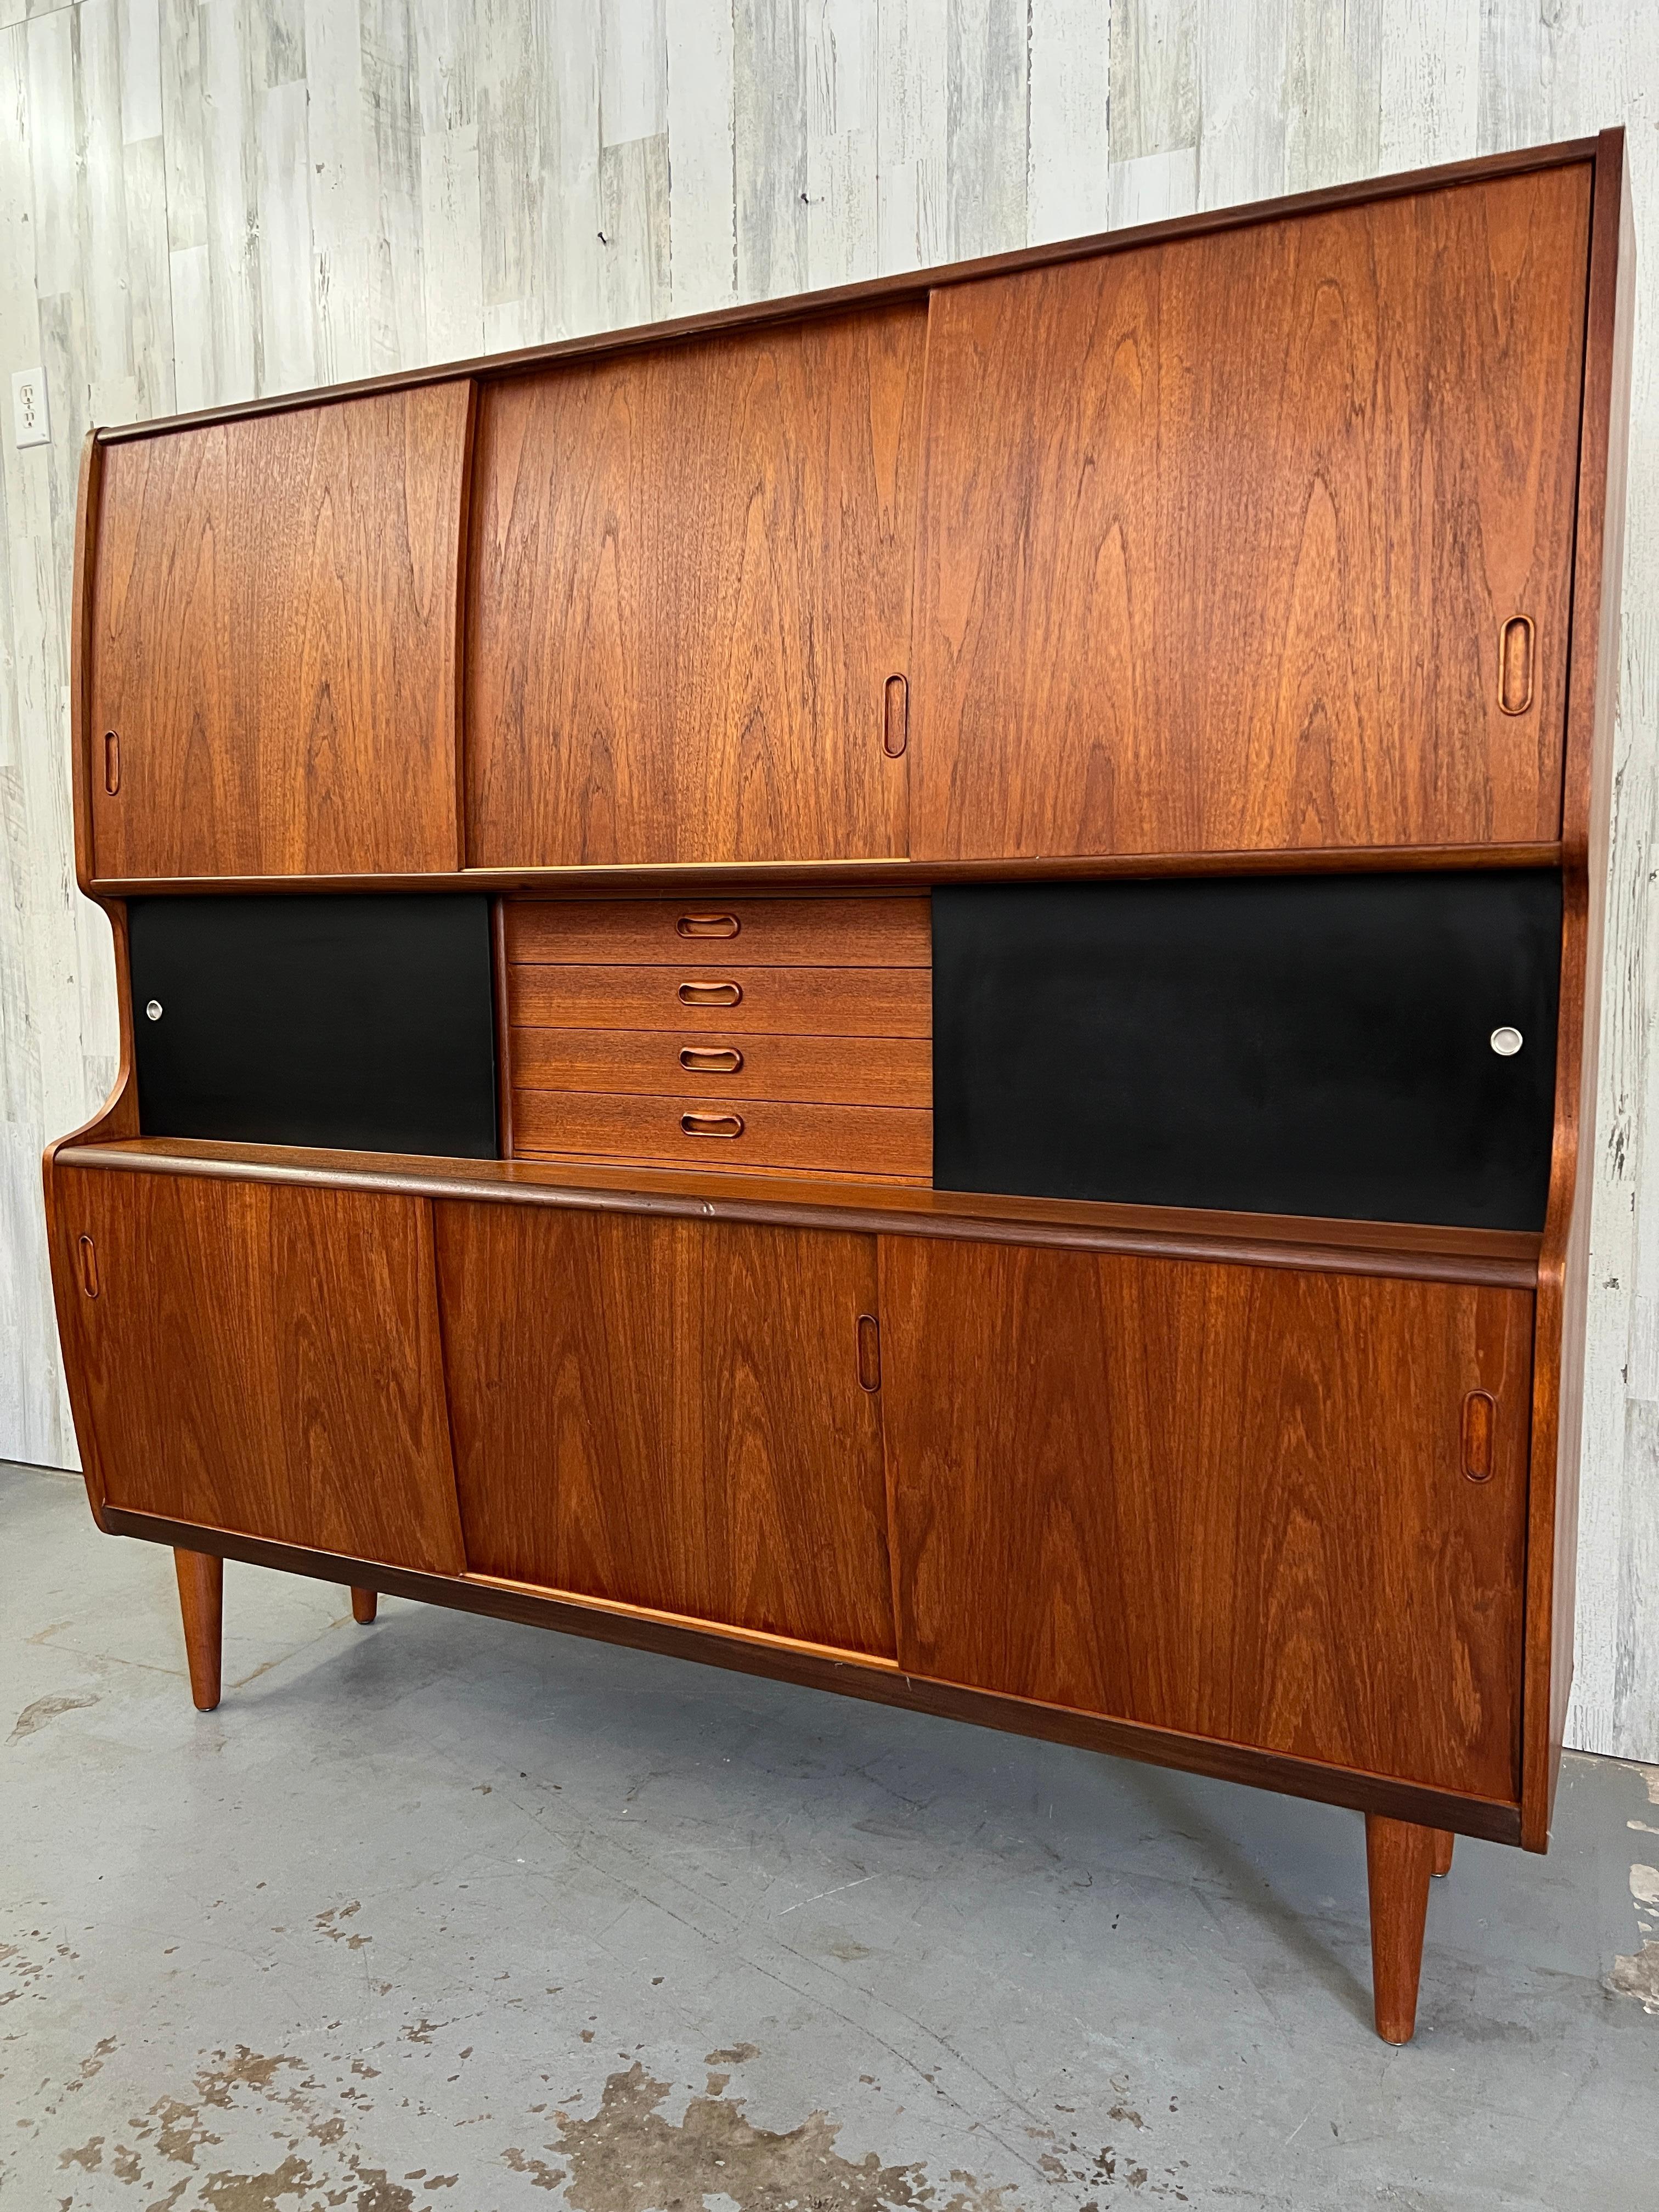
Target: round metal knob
1507,1042
154,1010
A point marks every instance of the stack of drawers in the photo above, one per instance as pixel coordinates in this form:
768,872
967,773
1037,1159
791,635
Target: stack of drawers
735,1033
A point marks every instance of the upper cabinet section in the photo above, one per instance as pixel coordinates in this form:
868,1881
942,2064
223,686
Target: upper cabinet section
1249,539
690,600
273,631
1260,539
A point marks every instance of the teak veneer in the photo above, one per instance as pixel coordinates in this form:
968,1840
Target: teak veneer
1283,540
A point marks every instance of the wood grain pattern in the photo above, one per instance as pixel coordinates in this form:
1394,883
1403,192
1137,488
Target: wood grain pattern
1564,1259
909,877
856,1675
874,1140
1408,1251
866,1071
265,1360
801,933
842,1002
1213,1499
1400,1863
274,637
1220,536
691,581
668,1414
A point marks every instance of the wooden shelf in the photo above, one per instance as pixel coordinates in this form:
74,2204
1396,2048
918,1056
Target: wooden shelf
828,879
1501,1257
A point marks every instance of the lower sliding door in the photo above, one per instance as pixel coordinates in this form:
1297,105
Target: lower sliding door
1225,1500
262,1357
670,1413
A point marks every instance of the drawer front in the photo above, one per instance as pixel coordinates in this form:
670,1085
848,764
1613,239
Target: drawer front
726,1133
838,1002
853,933
660,1063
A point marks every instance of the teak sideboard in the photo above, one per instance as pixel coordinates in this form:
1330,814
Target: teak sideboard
897,988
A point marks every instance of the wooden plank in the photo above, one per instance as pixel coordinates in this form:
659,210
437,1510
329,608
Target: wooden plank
690,585
1175,652
842,876
1067,173
681,1428
274,642
1564,1259
1220,1502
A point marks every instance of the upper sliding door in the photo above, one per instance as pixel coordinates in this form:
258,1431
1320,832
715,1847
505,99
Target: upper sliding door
1257,540
690,587
274,642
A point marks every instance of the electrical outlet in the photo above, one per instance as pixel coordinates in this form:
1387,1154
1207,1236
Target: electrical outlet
28,407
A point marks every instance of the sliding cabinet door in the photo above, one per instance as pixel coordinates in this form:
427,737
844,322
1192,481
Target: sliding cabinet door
1260,539
670,1414
689,604
261,1357
1278,1509
274,641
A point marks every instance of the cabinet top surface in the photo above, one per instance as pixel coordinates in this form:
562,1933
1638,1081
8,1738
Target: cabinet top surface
1502,1257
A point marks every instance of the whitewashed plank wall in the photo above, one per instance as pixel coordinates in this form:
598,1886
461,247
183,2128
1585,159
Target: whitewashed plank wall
202,199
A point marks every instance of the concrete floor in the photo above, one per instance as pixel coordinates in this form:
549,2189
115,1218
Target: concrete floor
449,1913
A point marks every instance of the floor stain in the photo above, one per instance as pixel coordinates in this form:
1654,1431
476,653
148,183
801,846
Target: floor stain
1637,1977
246,2070
541,2175
34,1717
628,2158
260,2192
328,1924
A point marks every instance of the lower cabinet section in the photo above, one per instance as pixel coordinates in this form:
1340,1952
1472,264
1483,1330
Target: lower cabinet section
263,1358
670,1413
1277,1508
1221,1499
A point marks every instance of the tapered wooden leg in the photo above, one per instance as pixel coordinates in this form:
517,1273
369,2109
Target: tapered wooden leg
1444,1840
1399,1860
364,1604
202,1602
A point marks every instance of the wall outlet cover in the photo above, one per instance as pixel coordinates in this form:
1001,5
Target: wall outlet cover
28,407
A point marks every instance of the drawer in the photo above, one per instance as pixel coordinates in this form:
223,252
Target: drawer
820,1070
870,1140
838,1002
854,932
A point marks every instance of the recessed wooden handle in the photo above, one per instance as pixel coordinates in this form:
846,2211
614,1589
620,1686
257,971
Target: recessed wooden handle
895,717
711,995
711,1059
869,1353
112,761
712,1125
1515,658
88,1255
1479,1429
707,925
